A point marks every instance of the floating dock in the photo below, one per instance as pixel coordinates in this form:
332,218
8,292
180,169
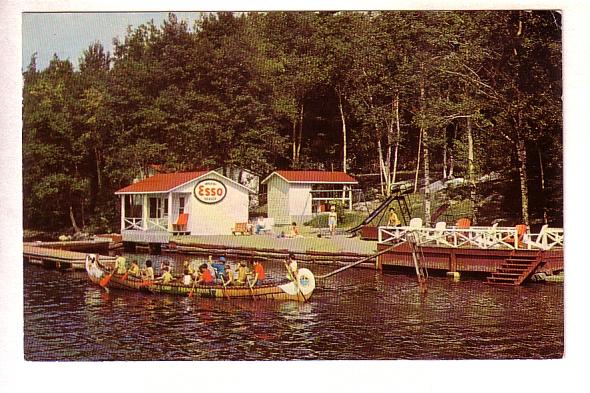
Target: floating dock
59,258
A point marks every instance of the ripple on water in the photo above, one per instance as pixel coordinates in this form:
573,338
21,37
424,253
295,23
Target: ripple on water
361,315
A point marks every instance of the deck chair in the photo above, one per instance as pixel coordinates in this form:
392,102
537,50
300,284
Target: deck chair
241,228
179,228
463,223
521,229
437,234
462,237
416,223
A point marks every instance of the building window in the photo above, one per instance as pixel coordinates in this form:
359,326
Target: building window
181,205
158,208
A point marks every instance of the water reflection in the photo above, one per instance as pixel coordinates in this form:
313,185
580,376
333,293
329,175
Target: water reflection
359,314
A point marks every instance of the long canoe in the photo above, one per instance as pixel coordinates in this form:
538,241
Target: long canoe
300,290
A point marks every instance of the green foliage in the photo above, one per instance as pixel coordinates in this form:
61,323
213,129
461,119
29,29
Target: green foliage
262,91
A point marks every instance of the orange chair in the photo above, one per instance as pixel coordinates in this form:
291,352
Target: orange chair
180,226
521,229
463,223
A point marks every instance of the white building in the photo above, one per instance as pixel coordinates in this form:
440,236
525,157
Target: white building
294,196
197,203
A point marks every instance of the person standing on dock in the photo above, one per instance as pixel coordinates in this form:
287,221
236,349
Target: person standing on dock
332,220
393,220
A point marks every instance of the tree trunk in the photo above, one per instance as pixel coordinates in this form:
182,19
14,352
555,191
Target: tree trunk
385,189
444,167
343,119
418,162
294,156
300,136
471,170
451,153
424,133
73,220
542,173
397,139
524,191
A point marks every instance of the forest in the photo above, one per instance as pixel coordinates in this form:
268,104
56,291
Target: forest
428,95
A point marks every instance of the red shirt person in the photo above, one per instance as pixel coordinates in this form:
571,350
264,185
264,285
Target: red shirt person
258,272
205,276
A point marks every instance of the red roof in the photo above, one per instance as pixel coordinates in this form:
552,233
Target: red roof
161,182
314,177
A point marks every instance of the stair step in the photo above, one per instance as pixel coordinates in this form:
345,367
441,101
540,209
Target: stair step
510,270
521,259
506,275
494,278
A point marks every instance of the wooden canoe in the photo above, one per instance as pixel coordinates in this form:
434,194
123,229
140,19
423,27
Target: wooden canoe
286,291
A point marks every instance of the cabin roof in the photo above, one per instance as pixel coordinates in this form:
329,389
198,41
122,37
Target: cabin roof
161,182
313,177
167,182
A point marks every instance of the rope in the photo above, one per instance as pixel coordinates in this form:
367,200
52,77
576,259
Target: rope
356,263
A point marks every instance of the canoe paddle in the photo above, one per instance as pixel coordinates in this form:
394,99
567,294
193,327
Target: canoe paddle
105,280
224,288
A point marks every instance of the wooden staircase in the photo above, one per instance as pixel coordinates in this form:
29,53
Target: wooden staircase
515,269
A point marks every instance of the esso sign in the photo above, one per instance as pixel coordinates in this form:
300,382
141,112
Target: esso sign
210,191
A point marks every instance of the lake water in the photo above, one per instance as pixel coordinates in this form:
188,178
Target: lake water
358,314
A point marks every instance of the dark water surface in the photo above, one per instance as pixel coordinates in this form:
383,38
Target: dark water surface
358,314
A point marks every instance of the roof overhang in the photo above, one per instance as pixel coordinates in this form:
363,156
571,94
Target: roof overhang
184,184
306,181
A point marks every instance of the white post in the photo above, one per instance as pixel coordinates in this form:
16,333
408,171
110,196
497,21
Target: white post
350,199
170,212
145,213
122,212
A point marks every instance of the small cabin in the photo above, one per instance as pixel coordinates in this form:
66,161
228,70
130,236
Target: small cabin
295,196
187,203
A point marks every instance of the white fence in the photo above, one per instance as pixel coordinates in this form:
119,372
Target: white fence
475,237
153,224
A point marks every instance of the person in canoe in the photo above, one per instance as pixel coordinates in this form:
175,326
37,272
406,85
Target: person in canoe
258,272
291,265
242,274
134,269
204,276
120,264
148,272
166,276
228,276
219,267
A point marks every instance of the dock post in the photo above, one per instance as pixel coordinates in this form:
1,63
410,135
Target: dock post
129,246
378,264
452,261
155,248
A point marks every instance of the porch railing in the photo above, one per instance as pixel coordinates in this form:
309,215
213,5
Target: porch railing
475,237
160,224
132,223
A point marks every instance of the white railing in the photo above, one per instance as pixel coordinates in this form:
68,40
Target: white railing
132,223
157,224
547,239
475,237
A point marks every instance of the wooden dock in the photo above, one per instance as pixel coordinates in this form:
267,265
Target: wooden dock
57,258
98,245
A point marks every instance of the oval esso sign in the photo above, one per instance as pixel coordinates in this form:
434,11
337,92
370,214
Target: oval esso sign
210,191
